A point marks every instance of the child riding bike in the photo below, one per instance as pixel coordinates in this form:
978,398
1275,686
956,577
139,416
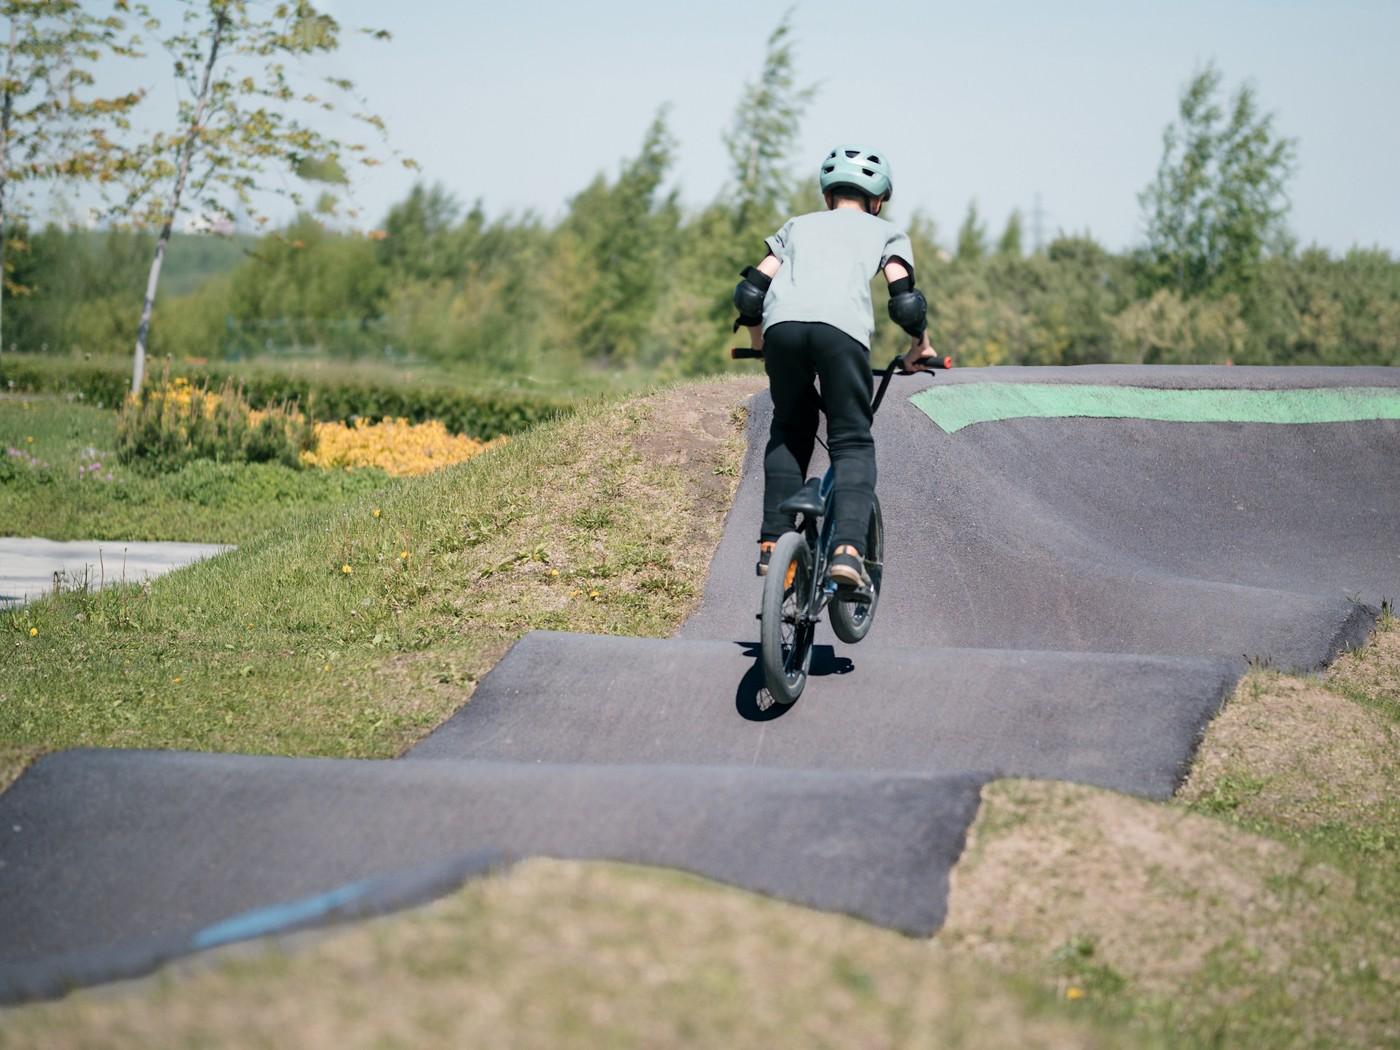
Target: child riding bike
807,308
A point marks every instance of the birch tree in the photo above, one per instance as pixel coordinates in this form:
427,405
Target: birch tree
246,118
51,126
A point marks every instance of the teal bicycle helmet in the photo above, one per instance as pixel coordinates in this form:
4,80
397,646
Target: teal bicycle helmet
862,169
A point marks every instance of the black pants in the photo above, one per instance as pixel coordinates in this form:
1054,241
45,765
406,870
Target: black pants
794,354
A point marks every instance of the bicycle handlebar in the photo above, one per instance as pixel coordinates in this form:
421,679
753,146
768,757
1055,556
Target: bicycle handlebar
744,353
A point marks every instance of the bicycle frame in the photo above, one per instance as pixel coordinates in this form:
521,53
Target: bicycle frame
819,539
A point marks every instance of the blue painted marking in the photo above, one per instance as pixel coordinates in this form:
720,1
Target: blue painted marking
262,921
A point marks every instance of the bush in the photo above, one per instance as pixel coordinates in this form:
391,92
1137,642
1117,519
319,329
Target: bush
394,446
335,395
1167,329
176,423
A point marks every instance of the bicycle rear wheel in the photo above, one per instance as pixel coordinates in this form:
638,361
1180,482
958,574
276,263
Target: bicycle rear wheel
786,633
851,620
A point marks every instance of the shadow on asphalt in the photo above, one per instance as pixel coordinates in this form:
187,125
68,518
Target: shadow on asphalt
752,699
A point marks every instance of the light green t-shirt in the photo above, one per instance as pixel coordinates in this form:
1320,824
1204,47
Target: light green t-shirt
829,259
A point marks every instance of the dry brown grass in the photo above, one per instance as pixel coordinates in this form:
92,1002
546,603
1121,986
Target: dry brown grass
612,533
1259,910
568,954
13,762
1168,914
1292,752
1371,674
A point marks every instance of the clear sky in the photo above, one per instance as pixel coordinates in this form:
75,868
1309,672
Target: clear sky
522,103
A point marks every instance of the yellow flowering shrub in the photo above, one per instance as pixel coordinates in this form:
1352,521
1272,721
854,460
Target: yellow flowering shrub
395,446
175,422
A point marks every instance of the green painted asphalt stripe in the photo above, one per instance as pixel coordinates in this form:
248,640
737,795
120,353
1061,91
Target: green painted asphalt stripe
955,407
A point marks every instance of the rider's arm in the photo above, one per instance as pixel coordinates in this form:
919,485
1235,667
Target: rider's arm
769,268
919,346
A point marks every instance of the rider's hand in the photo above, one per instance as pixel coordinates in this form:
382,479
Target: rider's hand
918,353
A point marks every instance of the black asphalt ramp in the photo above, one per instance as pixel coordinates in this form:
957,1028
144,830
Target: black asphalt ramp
1064,598
143,849
1121,721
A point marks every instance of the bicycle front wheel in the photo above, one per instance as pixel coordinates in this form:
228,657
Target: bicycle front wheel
786,633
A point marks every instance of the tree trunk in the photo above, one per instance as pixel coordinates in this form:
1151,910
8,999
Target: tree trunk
7,109
187,148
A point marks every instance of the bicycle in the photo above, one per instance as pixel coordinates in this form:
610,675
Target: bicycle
792,601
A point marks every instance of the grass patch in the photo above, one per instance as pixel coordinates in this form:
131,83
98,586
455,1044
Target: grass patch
566,954
13,762
1261,909
74,488
353,631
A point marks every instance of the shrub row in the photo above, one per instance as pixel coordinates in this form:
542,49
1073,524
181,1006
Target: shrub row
337,395
176,422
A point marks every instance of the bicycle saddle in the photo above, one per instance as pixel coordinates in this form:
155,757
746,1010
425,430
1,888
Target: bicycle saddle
807,500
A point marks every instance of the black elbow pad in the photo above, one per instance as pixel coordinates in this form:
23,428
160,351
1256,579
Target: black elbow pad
908,307
748,298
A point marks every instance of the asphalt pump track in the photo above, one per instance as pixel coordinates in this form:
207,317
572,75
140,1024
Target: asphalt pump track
1081,562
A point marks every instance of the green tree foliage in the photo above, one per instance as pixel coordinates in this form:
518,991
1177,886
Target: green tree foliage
619,231
1010,241
51,123
972,236
238,119
763,134
419,241
1218,201
628,282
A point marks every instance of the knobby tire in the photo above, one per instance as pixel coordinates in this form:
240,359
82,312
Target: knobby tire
785,635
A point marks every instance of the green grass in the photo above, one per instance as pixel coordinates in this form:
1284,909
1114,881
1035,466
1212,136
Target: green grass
276,648
61,498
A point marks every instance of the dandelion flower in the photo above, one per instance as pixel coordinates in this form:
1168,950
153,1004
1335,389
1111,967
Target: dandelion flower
554,572
326,668
1074,992
346,569
177,678
29,439
375,512
403,555
33,632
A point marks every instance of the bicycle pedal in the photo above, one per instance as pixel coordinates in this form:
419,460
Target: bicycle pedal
854,597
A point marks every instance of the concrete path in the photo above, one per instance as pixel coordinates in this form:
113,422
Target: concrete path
1065,597
28,566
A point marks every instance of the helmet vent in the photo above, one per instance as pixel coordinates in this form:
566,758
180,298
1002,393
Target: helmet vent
852,152
867,173
874,160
